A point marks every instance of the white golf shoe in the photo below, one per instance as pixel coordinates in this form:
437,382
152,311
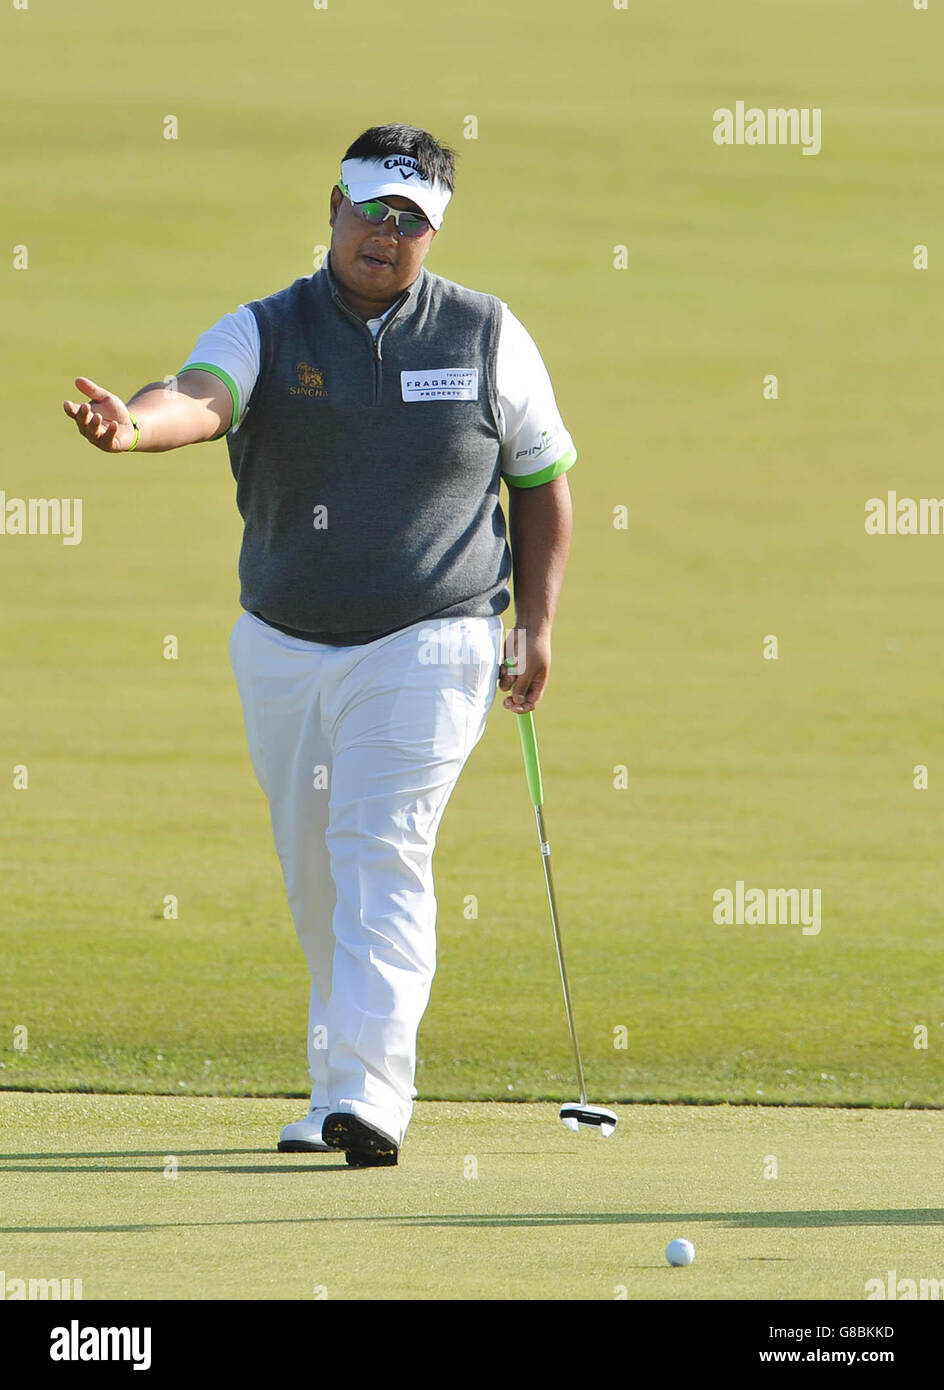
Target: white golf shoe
304,1136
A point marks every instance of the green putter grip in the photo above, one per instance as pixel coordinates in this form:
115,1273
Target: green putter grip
532,763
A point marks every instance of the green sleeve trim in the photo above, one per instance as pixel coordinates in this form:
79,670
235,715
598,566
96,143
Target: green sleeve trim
545,475
226,379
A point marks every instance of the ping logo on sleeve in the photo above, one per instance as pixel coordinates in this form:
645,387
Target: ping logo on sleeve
441,384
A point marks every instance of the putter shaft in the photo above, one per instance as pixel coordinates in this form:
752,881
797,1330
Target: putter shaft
546,861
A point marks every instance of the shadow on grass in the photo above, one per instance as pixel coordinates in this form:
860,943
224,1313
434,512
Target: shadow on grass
131,1153
277,1168
932,1216
40,1162
35,1163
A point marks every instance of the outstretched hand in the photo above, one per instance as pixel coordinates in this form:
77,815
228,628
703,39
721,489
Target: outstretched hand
105,422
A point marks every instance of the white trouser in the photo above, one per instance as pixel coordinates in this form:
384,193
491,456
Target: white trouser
357,750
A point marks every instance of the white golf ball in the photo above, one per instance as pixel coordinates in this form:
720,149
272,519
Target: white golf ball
680,1252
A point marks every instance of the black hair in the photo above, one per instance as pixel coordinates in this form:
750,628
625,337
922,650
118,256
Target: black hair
437,162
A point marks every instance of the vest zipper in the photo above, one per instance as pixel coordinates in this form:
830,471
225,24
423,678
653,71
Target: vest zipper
375,342
378,369
378,356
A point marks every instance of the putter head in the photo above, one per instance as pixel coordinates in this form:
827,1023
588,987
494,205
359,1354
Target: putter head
592,1116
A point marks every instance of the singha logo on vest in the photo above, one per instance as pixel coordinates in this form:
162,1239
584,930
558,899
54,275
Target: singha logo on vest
310,381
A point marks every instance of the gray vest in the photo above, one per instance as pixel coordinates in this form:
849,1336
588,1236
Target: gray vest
365,512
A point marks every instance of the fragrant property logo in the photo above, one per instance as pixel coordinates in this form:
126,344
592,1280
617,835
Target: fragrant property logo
440,384
42,516
776,126
310,381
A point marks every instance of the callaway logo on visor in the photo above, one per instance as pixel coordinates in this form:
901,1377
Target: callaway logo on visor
407,167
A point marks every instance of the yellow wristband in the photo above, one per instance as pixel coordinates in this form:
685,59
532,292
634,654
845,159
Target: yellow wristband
137,432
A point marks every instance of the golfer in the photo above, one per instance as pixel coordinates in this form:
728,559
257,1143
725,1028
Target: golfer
370,412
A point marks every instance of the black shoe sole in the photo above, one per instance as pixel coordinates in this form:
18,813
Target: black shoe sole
298,1146
364,1147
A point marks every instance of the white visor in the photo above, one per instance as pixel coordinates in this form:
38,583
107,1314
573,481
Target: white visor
362,179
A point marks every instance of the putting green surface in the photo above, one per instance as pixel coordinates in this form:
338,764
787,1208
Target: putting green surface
488,1202
145,941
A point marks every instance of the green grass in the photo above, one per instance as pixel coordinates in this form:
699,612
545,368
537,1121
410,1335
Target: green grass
745,519
488,1202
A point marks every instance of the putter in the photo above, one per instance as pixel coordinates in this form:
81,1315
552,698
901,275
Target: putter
574,1113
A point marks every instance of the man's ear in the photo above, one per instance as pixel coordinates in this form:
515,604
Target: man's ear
336,197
